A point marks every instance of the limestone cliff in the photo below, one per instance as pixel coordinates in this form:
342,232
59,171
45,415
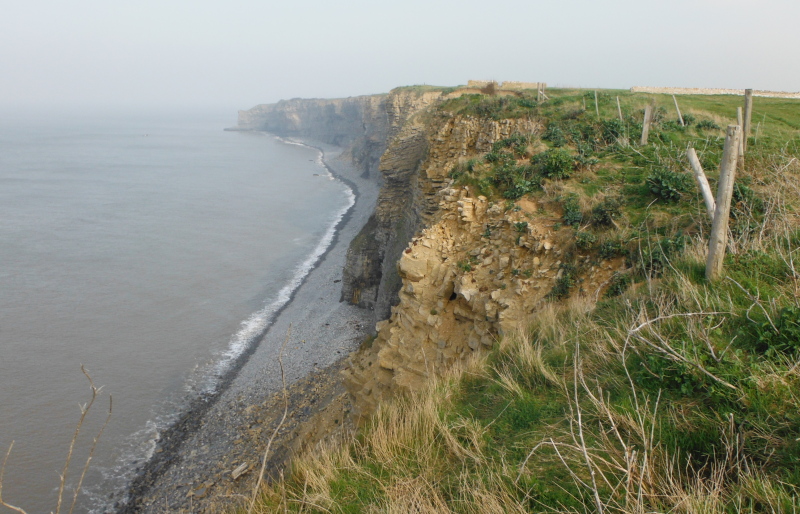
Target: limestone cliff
474,272
366,126
445,271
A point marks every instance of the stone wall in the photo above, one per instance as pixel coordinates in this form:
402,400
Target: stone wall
508,85
710,91
516,86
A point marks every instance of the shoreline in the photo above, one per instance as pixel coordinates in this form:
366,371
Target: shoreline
190,453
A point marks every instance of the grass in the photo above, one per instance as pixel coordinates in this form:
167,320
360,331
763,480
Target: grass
671,394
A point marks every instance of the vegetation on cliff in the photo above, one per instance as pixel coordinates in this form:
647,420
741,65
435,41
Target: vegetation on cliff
667,393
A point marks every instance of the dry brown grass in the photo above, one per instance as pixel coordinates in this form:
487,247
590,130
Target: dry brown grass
85,409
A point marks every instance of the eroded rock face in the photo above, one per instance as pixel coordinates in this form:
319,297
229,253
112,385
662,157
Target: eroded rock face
415,168
469,277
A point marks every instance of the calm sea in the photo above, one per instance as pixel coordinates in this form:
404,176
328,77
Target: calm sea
150,248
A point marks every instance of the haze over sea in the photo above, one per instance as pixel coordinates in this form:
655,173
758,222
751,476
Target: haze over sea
149,247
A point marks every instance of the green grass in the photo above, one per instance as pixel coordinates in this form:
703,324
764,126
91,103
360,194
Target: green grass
671,393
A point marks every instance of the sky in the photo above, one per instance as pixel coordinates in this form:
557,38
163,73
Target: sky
239,53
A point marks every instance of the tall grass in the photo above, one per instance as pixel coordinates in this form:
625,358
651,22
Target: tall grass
677,396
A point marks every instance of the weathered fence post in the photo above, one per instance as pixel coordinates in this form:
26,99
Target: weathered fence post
648,119
596,107
740,120
702,181
619,110
680,117
748,116
719,229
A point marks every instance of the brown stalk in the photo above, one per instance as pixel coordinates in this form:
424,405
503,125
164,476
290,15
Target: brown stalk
91,454
2,472
277,428
84,411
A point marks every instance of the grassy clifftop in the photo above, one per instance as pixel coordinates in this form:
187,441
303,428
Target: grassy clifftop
665,393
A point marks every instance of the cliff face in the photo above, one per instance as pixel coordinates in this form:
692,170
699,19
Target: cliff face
359,123
366,126
476,271
414,168
444,271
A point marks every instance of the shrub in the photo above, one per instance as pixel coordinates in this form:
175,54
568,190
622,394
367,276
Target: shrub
463,169
492,157
514,181
618,285
500,107
554,163
563,285
604,213
654,257
745,201
572,211
517,143
585,240
774,337
612,130
706,125
555,135
610,249
668,185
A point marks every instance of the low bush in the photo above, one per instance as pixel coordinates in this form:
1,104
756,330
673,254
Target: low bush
610,249
618,285
604,213
563,285
653,256
517,143
585,240
555,135
706,125
612,130
774,335
555,163
668,185
573,215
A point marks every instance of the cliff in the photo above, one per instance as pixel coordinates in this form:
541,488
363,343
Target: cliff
445,271
536,237
366,126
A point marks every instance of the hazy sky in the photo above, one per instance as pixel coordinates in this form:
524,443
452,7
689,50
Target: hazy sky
238,53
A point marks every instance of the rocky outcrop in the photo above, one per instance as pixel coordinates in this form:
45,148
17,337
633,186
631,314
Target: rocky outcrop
415,167
367,126
444,271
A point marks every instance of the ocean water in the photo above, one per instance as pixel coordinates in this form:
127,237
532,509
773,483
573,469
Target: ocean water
150,248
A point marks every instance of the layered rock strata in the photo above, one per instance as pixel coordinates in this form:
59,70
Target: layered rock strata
444,271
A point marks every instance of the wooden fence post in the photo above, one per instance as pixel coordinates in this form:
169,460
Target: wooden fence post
748,116
739,119
648,118
702,181
719,229
596,107
619,110
680,117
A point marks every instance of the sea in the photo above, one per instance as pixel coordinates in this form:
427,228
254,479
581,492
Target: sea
148,248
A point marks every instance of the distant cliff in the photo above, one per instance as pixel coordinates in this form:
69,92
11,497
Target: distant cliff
366,126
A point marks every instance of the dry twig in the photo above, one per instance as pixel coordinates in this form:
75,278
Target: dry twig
277,428
91,454
84,411
2,472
